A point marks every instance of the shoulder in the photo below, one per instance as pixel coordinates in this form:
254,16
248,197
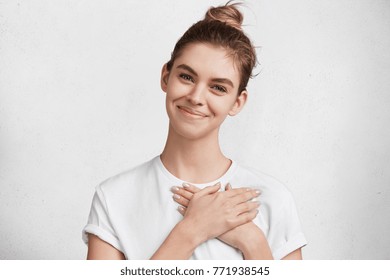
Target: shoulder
278,216
269,185
127,178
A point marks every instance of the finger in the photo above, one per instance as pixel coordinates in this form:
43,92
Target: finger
244,196
182,210
190,188
181,200
182,192
209,190
246,217
228,187
233,192
246,207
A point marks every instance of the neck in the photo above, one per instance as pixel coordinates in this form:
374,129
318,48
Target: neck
194,160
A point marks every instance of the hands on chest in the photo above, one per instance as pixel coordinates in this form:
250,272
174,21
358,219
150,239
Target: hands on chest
226,215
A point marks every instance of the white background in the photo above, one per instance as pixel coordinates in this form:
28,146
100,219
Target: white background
80,101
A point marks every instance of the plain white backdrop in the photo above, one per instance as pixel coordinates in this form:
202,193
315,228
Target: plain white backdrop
80,101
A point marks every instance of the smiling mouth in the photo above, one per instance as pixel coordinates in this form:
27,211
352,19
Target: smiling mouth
190,111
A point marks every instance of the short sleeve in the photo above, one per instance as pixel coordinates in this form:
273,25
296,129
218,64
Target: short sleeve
99,222
290,234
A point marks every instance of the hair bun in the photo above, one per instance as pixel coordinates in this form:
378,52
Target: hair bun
228,14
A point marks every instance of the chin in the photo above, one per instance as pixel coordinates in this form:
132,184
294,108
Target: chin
189,132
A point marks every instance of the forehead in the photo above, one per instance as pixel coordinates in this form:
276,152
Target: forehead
209,60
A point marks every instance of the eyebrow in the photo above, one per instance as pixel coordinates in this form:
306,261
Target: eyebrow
193,72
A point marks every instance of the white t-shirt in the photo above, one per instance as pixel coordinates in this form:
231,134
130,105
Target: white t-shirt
134,212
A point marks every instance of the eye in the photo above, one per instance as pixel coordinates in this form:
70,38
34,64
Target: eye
186,77
219,88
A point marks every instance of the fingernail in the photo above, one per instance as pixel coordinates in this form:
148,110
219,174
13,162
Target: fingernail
257,192
186,185
175,189
176,196
228,185
180,208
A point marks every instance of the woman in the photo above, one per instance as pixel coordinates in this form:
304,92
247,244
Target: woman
133,214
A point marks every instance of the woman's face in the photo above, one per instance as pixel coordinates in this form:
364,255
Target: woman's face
201,90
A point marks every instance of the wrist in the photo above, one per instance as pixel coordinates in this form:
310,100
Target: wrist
179,244
248,248
248,244
188,233
255,248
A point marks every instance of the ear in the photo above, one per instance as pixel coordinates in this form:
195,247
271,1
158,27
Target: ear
164,78
239,103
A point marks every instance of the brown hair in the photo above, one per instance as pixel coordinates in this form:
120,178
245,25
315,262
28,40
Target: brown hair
222,27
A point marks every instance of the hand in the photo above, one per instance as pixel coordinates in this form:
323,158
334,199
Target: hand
215,213
238,237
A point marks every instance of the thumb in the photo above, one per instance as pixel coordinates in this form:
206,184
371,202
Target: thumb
228,187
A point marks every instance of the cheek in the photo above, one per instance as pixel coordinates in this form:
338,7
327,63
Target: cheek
220,106
176,90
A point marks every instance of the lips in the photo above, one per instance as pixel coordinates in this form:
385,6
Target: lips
191,111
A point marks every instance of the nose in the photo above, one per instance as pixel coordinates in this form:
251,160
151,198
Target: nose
197,95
